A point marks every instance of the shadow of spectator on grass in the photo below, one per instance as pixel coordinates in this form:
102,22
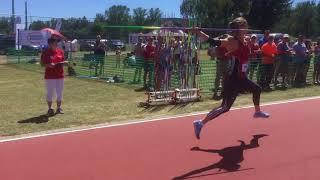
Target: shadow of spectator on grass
36,120
230,162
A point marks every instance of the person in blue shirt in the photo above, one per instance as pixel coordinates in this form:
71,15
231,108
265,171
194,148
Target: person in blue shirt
316,72
300,56
265,38
282,64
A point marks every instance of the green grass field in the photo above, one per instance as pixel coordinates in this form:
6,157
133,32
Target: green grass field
89,102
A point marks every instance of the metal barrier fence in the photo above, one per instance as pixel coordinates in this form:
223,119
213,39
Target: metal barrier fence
206,75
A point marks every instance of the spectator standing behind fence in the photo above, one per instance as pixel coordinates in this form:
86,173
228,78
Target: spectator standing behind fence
159,51
67,50
269,51
291,68
254,60
183,66
166,59
177,52
221,69
300,55
99,52
53,59
99,47
316,72
196,67
282,66
307,61
265,38
118,57
139,57
148,63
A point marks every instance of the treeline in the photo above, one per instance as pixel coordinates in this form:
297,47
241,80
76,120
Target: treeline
276,15
303,19
88,28
84,28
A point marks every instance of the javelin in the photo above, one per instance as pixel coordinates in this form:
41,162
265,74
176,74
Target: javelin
180,28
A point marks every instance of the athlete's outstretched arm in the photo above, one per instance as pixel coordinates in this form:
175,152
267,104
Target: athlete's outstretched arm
213,41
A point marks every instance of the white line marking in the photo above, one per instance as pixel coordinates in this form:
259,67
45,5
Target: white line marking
145,121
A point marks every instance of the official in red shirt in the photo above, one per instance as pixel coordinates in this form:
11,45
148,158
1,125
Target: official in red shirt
53,60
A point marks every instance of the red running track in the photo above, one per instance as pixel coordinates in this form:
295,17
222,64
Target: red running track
161,149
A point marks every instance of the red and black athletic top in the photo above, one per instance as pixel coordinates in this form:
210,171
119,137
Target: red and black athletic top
242,56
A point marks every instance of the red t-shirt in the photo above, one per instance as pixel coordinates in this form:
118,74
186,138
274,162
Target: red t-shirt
269,51
254,47
242,54
53,56
149,52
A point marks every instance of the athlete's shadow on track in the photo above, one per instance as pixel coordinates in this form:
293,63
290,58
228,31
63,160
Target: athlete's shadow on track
231,158
36,120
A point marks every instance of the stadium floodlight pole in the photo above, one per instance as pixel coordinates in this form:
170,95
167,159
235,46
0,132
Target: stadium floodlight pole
178,28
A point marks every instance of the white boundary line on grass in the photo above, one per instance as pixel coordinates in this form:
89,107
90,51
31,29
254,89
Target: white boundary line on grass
66,131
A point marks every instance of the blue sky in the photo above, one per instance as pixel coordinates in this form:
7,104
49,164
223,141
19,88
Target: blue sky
88,8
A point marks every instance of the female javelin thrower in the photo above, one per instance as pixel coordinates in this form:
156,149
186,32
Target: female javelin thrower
237,80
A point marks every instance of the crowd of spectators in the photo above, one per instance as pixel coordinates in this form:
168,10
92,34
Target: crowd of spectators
272,57
274,61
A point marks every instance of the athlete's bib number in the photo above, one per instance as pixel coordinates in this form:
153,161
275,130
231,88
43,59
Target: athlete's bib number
244,67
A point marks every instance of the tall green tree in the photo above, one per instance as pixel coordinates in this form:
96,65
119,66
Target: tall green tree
188,8
223,12
79,28
194,10
98,24
216,13
317,21
118,15
38,25
305,18
154,17
98,28
100,18
285,24
265,13
139,16
5,25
